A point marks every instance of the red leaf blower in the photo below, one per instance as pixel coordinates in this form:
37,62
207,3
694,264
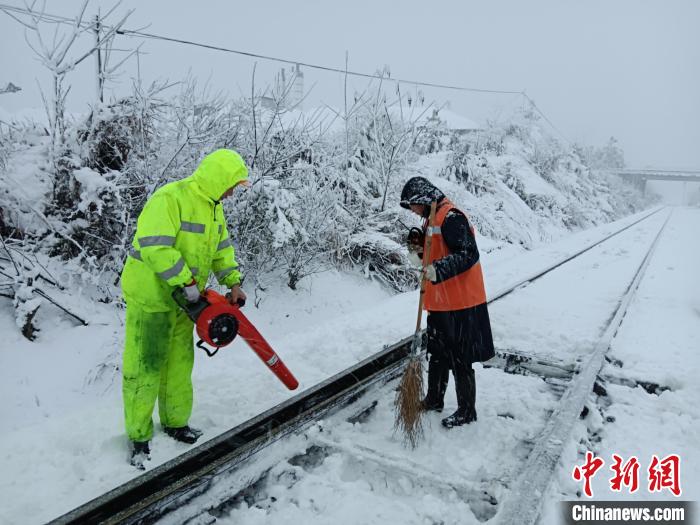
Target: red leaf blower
217,322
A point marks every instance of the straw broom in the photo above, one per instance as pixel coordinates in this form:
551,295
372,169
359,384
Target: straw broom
408,408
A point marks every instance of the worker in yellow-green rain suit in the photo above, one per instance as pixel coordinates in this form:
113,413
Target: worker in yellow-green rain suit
181,236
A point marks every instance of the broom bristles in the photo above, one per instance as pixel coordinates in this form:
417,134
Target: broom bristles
408,403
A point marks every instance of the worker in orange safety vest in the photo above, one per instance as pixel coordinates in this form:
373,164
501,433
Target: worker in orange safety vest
459,329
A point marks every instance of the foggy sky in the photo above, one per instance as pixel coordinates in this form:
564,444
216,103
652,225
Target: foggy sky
596,68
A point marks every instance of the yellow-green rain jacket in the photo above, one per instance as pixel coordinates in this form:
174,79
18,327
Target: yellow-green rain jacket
181,233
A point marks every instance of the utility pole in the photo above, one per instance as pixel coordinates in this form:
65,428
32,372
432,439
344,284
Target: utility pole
98,60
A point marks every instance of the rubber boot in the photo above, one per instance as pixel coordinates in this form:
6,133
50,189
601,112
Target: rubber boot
140,452
458,419
465,386
438,376
184,434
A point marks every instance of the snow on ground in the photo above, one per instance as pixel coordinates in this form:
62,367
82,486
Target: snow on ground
558,317
65,435
369,477
454,476
658,342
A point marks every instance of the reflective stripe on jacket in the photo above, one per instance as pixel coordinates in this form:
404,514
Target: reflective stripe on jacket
462,291
181,233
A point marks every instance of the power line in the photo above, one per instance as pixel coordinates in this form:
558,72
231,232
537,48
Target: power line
142,34
129,32
316,66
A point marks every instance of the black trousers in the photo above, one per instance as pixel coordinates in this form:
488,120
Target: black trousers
444,356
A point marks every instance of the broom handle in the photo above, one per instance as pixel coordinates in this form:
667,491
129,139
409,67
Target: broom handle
426,261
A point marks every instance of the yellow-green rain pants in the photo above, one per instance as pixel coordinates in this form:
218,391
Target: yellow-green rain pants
158,360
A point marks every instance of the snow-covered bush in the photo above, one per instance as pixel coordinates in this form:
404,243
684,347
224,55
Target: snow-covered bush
108,135
380,258
22,278
319,197
472,171
609,156
5,146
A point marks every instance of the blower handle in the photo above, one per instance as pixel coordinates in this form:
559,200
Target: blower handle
193,310
200,344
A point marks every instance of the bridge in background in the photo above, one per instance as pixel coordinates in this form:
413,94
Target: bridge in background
640,177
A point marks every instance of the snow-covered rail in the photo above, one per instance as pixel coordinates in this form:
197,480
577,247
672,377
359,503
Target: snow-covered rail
159,491
144,499
506,290
523,505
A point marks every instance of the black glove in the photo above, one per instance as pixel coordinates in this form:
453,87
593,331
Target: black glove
416,237
415,246
240,301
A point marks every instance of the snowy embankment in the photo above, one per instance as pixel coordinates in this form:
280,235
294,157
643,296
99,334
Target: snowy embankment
62,408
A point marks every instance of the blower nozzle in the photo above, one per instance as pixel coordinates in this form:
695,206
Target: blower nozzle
218,322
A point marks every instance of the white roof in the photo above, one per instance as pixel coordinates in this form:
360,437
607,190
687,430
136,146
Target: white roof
433,115
321,118
455,121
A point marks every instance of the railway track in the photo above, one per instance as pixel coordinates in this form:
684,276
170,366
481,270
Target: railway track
521,507
170,492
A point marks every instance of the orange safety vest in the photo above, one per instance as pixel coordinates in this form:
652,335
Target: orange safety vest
461,291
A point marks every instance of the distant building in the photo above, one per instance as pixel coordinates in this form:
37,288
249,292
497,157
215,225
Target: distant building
10,88
268,102
289,86
288,90
440,118
452,121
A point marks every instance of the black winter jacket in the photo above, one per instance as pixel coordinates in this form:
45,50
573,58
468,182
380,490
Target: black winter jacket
467,332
